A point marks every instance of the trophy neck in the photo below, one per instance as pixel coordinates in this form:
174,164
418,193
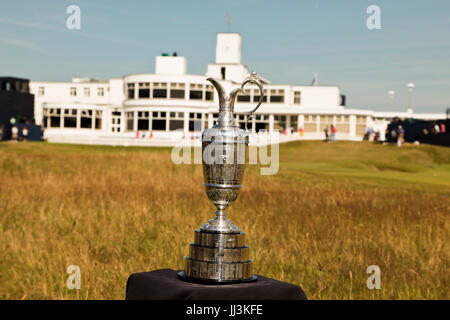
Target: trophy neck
226,117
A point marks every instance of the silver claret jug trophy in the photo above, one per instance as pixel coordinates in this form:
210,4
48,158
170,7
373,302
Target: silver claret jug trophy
218,254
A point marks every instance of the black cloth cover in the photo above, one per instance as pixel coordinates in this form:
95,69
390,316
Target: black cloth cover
164,284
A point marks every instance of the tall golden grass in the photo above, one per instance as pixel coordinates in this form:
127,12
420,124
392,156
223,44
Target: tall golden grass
331,211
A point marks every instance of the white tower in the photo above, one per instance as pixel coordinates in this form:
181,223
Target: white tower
228,59
228,48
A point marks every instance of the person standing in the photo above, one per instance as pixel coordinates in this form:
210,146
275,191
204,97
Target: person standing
400,136
326,133
393,134
333,133
436,128
377,136
14,133
25,133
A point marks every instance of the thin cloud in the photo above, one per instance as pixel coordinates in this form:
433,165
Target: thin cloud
27,24
89,35
19,43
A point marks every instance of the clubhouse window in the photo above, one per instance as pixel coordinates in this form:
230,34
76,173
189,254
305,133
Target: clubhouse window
51,118
86,119
297,97
144,90
70,118
130,121
45,118
159,121
143,120
240,120
196,91
177,90
276,96
98,119
195,121
294,123
256,95
209,92
279,123
159,90
214,116
176,120
130,90
244,97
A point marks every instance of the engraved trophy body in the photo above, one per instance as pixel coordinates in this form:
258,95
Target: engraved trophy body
219,254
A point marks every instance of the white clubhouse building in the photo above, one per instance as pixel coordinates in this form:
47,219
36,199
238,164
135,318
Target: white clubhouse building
160,108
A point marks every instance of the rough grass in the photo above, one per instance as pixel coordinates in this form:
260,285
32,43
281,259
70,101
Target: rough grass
330,212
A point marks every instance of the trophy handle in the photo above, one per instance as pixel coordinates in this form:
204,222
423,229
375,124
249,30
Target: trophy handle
253,78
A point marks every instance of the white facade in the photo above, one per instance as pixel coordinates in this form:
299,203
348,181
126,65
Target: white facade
158,109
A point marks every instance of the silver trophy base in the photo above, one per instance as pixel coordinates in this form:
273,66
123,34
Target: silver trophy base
218,258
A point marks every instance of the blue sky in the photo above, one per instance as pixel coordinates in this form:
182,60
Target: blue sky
285,41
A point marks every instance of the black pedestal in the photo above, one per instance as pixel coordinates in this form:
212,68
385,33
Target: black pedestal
165,285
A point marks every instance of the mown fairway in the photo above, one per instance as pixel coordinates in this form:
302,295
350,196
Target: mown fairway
330,212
